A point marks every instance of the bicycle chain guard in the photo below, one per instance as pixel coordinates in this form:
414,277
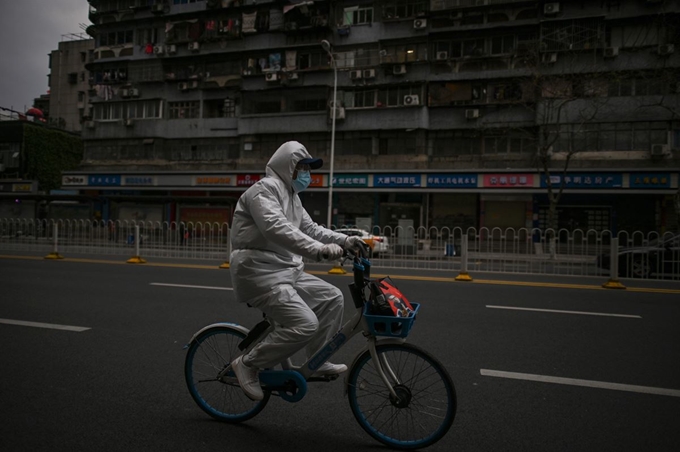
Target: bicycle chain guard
290,384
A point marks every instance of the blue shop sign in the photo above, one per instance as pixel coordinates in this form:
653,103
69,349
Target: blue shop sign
105,180
139,180
587,180
350,180
650,180
452,180
396,180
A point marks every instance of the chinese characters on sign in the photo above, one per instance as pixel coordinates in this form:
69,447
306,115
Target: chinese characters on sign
396,180
139,180
105,180
508,180
246,180
317,180
350,180
650,180
452,180
587,180
74,180
213,180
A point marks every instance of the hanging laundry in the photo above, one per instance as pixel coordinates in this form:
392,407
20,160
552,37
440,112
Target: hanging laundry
291,60
149,49
274,61
249,23
275,19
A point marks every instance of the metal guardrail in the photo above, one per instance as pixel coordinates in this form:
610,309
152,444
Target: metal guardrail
522,251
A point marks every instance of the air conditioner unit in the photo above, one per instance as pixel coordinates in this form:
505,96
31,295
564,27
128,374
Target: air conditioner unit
442,55
665,49
369,73
172,49
354,75
411,99
158,50
472,113
660,150
399,69
420,24
129,122
193,84
194,46
610,52
89,124
134,92
124,93
549,57
182,86
339,113
551,8
293,76
271,76
158,8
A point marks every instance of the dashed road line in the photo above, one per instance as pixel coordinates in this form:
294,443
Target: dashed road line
52,326
190,286
559,311
578,382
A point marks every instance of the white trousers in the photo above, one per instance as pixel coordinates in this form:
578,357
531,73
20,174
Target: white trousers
307,313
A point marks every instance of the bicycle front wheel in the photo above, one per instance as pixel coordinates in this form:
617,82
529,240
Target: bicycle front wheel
425,405
219,396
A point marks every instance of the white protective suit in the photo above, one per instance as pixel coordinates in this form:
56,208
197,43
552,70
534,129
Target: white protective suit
270,231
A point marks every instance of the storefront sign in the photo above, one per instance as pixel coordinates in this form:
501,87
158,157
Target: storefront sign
396,180
350,180
508,180
104,180
74,180
139,180
317,180
452,180
22,188
246,180
650,180
587,180
212,180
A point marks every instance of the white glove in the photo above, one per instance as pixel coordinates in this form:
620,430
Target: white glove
354,242
330,252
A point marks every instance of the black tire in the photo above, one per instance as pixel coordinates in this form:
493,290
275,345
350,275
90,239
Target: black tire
207,356
425,409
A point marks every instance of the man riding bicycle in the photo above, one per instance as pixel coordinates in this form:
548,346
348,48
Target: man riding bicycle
271,233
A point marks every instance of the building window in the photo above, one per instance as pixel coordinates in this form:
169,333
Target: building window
501,45
401,9
219,108
356,15
183,110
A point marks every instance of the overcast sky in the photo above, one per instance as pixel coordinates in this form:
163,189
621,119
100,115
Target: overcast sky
29,31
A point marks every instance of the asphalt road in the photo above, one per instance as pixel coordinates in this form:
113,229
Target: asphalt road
609,381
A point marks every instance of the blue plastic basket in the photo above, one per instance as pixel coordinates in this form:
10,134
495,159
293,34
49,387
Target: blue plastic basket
387,325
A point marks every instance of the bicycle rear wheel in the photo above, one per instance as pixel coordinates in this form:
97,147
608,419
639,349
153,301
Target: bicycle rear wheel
426,403
222,398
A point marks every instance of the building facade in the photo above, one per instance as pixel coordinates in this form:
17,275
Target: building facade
69,83
448,113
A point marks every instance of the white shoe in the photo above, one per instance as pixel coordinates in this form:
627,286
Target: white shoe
329,368
247,379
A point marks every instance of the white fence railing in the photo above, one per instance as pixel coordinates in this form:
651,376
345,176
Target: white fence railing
530,251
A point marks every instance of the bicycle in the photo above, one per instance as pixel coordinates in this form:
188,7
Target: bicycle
400,394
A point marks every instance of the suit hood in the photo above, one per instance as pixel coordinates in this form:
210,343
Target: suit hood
282,163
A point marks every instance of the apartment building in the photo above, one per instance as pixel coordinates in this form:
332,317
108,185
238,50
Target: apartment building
448,113
68,80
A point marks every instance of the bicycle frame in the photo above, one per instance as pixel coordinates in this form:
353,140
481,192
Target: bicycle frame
357,324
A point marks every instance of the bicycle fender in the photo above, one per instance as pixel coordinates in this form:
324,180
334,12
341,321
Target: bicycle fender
235,326
388,341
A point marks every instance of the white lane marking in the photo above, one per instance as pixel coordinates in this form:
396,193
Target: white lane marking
77,329
565,312
577,382
190,287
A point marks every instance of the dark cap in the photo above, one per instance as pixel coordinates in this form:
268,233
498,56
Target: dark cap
313,163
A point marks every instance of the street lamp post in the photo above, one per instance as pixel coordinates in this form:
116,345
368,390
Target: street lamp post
327,47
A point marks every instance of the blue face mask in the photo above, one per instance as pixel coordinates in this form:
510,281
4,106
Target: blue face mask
304,178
